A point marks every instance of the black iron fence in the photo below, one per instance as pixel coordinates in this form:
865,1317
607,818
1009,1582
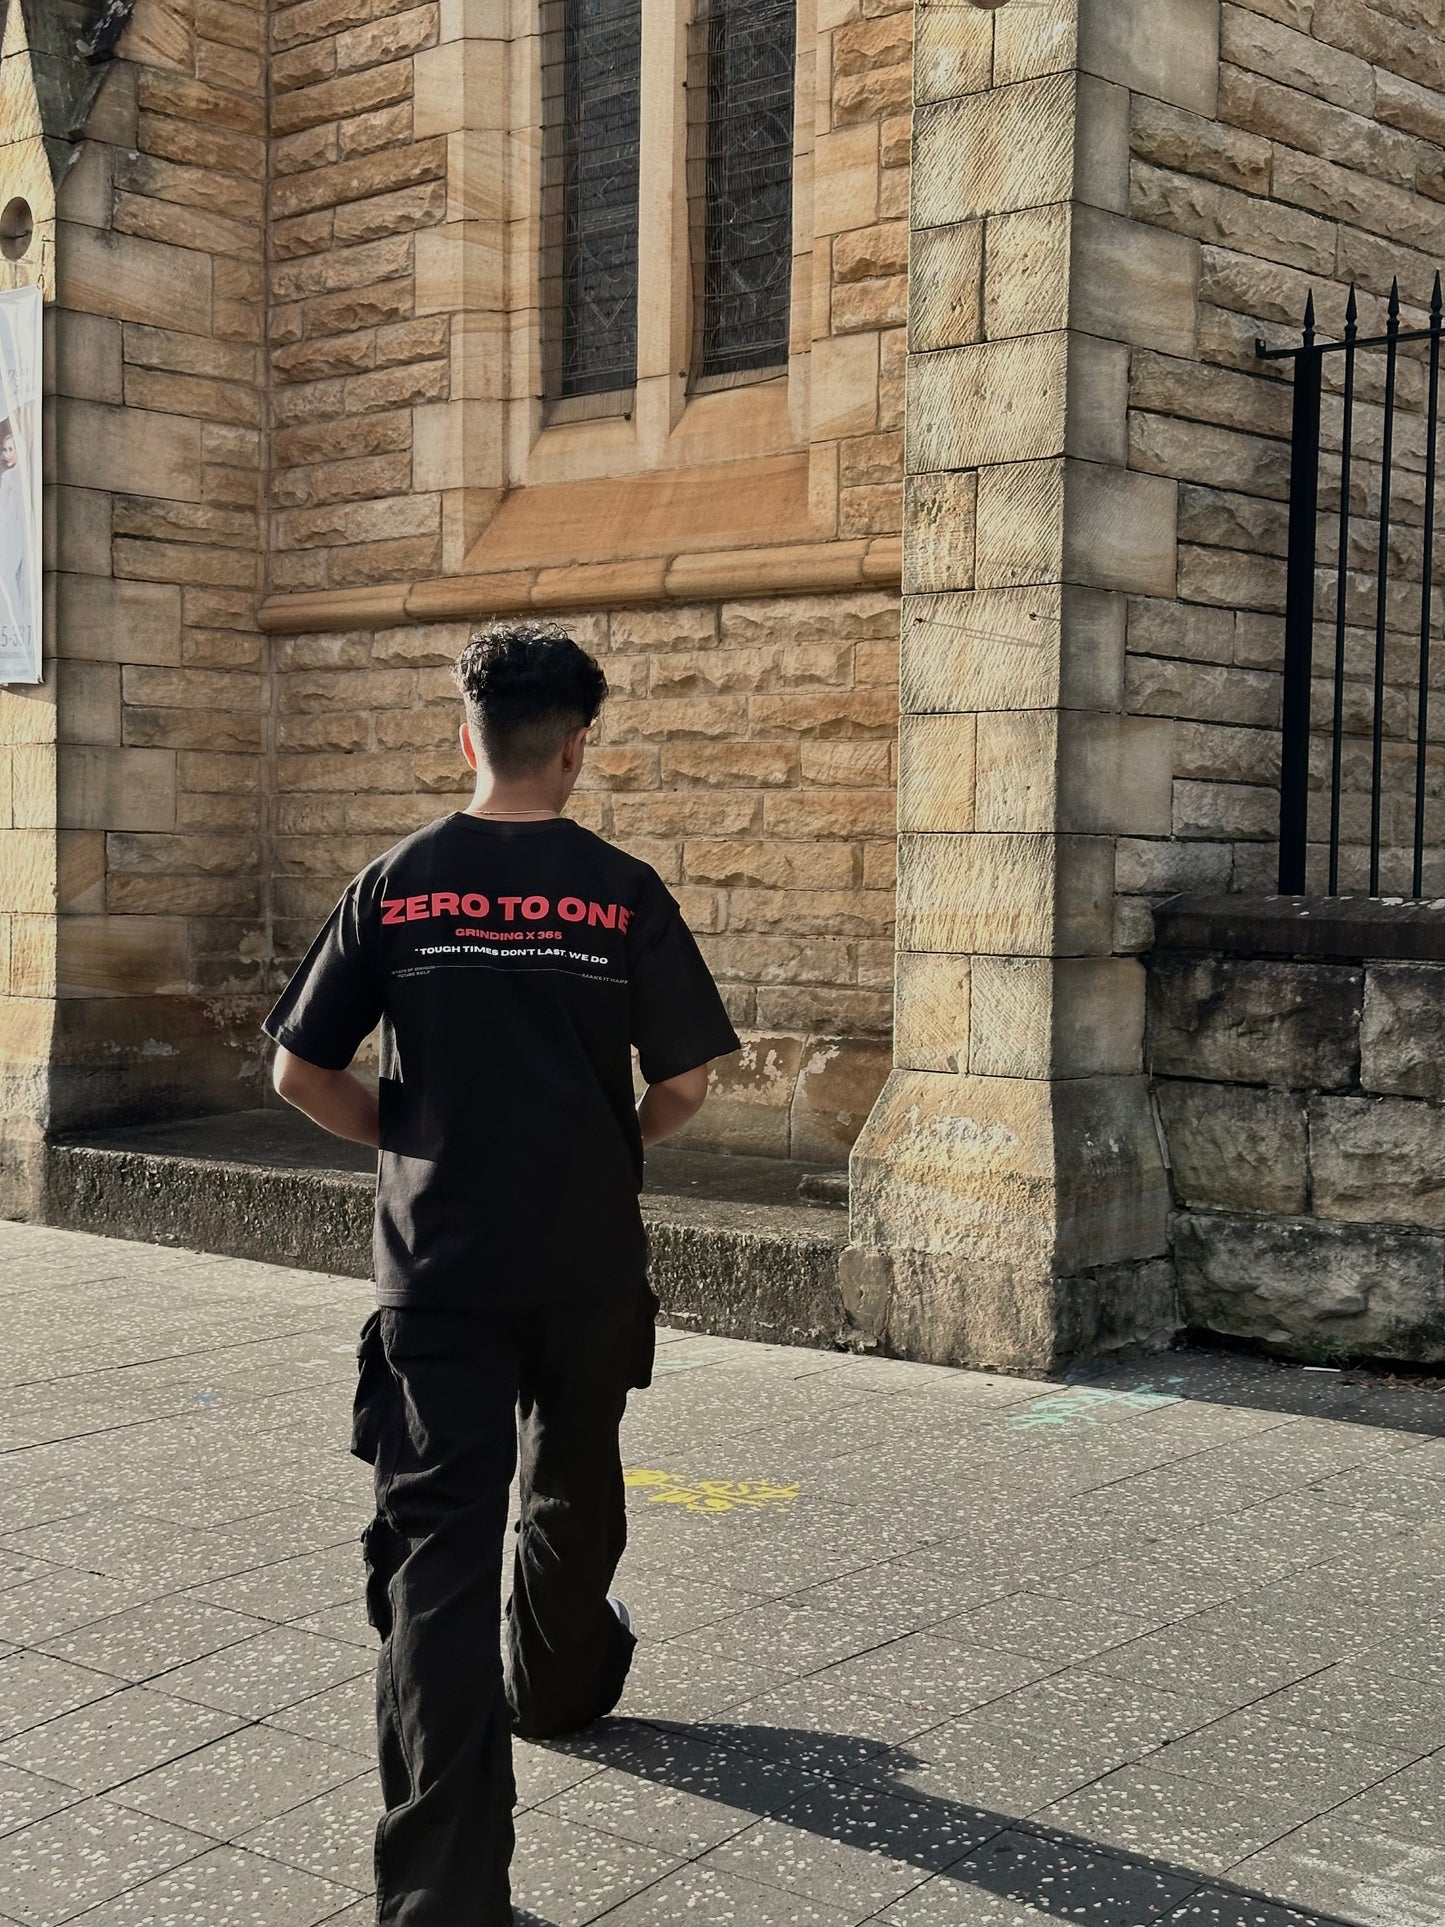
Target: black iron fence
1356,737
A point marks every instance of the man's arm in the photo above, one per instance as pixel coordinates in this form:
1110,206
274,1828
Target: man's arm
337,1101
668,1105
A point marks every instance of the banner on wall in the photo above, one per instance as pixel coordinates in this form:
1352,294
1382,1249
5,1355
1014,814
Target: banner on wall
22,324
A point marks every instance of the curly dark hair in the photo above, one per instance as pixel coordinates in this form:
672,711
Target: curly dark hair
526,687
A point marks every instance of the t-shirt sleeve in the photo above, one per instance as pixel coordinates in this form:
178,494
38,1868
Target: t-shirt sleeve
333,1000
678,1019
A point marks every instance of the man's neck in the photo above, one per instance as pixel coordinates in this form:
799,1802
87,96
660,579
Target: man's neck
521,802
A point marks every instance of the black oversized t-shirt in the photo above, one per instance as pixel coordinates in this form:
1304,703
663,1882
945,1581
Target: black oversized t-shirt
512,967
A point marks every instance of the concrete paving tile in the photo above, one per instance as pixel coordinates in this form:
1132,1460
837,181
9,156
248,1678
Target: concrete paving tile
1089,1708
138,1644
71,1860
346,1622
34,1614
1409,1805
36,1687
988,1765
17,1569
669,1819
1031,1623
1073,1879
813,1866
668,1684
822,1723
664,1605
1222,1907
569,1874
946,1902
289,1588
242,1779
704,1897
797,1638
26,1796
910,1593
269,1671
333,1836
542,1771
226,1887
343,1715
1190,1823
1225,1652
1279,1756
115,1739
1366,1878
935,1676
1380,1708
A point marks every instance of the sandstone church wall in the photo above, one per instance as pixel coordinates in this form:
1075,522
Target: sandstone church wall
1318,164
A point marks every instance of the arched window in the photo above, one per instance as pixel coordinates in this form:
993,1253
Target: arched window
740,150
591,105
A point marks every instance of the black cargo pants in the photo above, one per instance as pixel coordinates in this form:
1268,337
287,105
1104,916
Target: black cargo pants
446,1402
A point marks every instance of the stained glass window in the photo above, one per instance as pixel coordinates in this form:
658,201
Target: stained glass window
741,80
591,87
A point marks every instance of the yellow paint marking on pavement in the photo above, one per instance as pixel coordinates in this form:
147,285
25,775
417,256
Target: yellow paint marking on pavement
711,1495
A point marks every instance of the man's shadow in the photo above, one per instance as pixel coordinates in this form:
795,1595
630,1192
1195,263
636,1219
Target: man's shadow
843,1789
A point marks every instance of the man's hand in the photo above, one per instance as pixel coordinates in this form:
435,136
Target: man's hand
667,1106
337,1101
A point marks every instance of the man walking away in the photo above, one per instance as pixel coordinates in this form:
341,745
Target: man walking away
513,960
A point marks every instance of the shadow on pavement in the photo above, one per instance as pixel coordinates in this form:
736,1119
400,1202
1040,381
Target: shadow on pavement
850,1791
1212,1376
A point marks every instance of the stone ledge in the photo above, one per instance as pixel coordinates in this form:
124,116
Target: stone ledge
1336,929
807,568
743,1264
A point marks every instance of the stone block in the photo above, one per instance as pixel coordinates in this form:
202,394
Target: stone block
844,386
1167,48
1035,648
1314,1290
845,179
1296,59
87,356
1005,895
1133,282
1402,1031
28,871
750,1095
1378,1160
931,1012
989,153
122,956
971,1196
952,52
1233,1147
1295,1026
839,1079
1034,40
1026,286
945,283
133,451
1073,770
132,279
936,773
1017,401
107,621
117,789
1056,1017
939,514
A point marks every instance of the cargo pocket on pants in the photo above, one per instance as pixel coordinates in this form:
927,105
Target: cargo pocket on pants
644,1340
381,1552
375,1391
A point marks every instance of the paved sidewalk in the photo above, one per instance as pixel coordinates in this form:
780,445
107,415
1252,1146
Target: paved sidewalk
921,1648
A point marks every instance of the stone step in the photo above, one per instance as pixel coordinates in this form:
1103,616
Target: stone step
742,1247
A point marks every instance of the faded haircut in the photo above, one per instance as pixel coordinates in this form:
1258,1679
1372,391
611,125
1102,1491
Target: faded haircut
526,687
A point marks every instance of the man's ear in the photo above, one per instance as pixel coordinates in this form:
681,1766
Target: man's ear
573,748
469,748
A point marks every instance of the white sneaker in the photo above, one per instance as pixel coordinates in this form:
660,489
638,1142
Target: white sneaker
624,1616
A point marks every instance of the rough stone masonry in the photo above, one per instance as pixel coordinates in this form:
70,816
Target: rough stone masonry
1021,479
